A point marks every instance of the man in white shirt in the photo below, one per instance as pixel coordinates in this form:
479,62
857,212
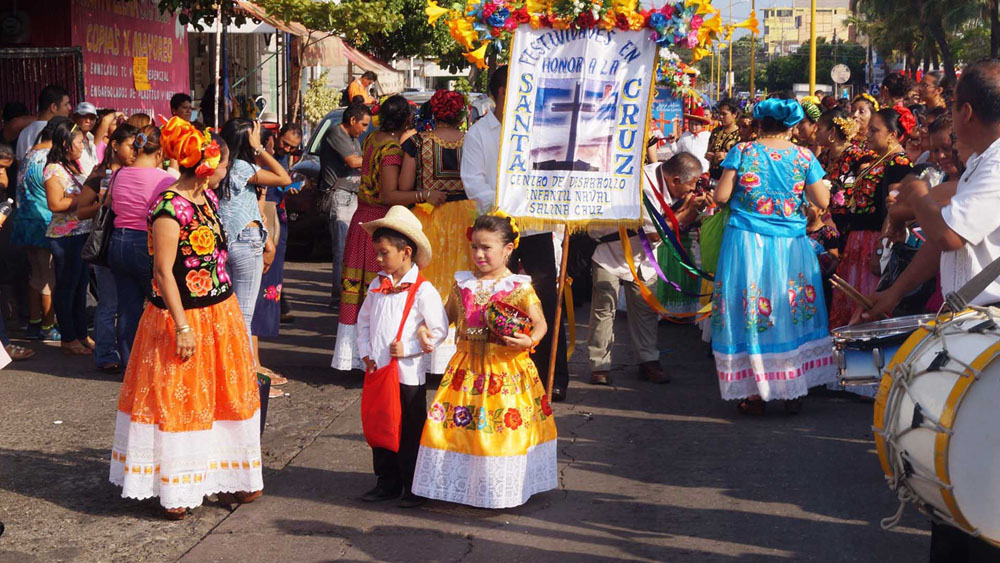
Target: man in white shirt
694,140
963,237
85,118
52,101
536,253
676,180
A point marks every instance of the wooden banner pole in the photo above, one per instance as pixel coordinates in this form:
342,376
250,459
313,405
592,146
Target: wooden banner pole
560,288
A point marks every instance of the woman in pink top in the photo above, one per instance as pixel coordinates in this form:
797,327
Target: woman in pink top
133,188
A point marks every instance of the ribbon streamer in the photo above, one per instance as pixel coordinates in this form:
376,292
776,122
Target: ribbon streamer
647,295
647,249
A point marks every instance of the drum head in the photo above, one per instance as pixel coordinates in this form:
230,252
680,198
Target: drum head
879,333
974,453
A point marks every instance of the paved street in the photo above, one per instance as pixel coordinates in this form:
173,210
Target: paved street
648,472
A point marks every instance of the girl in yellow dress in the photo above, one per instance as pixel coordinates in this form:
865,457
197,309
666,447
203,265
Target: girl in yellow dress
490,437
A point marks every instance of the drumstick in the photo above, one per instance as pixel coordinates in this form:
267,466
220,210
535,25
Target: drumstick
852,293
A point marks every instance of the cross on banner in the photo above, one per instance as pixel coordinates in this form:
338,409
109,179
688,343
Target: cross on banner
576,107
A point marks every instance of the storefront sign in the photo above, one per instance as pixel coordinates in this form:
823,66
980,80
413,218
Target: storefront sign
574,126
116,36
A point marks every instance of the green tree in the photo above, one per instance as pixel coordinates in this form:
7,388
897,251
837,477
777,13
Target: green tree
784,71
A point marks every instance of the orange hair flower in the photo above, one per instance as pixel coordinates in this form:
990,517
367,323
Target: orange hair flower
190,147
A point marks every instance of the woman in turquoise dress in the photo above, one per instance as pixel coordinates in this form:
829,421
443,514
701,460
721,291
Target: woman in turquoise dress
769,318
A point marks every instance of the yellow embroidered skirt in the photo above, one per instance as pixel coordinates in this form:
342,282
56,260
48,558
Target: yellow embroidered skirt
188,429
490,437
446,227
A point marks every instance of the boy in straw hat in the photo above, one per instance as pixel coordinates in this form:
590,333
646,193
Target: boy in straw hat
402,249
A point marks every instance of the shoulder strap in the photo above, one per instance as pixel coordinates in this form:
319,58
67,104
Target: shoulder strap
411,295
111,184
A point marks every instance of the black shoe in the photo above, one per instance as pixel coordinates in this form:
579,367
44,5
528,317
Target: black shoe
411,500
558,394
378,494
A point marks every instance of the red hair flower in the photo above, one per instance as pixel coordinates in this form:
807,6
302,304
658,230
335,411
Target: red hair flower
906,118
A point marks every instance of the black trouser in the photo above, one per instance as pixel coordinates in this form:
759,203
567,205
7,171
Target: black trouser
395,470
951,545
537,257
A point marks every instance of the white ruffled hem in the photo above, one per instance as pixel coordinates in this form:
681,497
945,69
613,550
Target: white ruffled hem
181,468
781,376
468,280
486,481
345,351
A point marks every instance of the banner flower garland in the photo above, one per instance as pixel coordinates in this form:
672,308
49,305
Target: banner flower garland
478,25
677,76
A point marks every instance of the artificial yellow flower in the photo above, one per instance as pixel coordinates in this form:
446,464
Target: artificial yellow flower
624,6
536,22
608,20
536,6
461,29
699,53
750,23
561,23
478,57
434,12
636,21
709,30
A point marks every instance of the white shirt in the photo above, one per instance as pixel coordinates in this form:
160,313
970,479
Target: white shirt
611,255
88,160
378,323
480,157
694,144
27,138
973,215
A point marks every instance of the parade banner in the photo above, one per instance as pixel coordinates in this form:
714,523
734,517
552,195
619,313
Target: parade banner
134,57
574,127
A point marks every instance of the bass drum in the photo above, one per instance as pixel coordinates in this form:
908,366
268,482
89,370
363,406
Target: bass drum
936,423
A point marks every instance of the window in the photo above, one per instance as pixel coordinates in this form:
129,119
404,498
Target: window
784,13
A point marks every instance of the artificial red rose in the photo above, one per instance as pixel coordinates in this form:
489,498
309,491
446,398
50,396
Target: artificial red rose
585,20
521,15
667,10
622,22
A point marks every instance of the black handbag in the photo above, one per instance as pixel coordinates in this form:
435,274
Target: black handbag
95,250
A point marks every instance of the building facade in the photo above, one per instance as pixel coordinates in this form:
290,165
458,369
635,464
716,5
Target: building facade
785,28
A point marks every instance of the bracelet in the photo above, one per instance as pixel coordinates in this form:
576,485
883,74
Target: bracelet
258,152
182,329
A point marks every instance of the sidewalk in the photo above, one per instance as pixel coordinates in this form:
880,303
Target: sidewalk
648,473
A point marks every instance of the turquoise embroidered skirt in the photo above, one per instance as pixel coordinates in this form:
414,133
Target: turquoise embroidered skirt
769,318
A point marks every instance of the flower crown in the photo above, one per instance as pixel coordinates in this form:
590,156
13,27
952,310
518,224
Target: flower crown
190,147
868,98
447,105
847,126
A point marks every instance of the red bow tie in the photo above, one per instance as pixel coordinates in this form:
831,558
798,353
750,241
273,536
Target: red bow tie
388,289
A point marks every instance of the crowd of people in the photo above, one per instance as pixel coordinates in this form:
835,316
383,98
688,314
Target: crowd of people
893,194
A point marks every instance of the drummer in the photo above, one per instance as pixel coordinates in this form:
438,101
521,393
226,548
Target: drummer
963,237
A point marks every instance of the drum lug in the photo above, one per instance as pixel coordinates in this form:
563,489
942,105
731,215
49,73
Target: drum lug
939,361
878,358
918,417
983,327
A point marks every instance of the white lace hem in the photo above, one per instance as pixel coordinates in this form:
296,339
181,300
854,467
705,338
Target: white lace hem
486,481
183,467
783,376
345,351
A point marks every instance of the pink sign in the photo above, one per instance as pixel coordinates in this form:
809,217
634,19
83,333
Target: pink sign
112,33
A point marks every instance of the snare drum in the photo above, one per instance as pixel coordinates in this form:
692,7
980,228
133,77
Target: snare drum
863,351
935,423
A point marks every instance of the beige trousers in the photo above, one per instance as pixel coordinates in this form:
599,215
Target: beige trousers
642,321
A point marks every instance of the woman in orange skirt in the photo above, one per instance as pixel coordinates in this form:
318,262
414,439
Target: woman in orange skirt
188,421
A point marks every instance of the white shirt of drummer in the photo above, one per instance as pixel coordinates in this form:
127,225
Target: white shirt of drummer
973,215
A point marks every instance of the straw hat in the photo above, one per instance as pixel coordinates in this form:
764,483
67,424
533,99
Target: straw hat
404,222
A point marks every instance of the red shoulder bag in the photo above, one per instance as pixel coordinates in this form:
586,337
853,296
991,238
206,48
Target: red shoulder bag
381,411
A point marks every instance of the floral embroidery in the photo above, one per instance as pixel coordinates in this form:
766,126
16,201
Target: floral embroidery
789,207
200,265
202,240
750,180
457,380
462,416
756,309
801,298
765,206
199,282
437,412
512,419
273,292
496,384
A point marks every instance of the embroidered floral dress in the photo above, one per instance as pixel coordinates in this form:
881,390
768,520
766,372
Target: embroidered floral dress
866,210
66,223
186,429
769,323
721,141
490,437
